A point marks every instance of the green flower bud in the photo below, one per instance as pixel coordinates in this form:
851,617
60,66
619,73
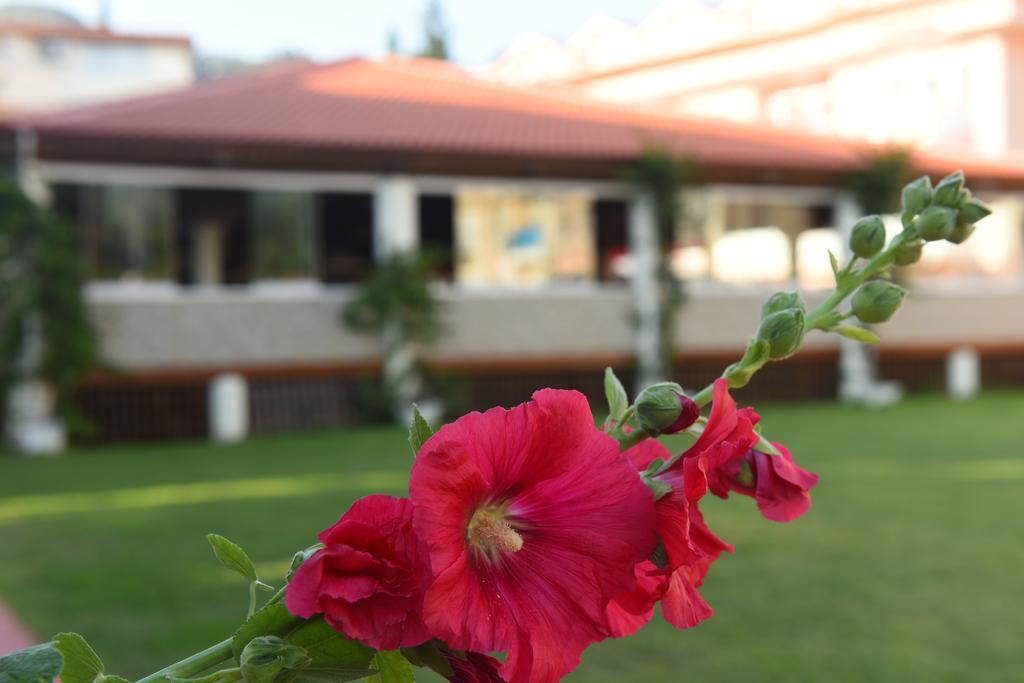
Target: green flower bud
908,253
658,407
867,237
783,331
936,223
265,657
780,301
877,301
917,196
972,210
949,191
961,232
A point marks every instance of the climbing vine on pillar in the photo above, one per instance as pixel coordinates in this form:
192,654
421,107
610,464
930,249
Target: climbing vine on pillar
660,176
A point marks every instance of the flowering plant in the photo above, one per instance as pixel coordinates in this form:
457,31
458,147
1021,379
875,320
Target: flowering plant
531,533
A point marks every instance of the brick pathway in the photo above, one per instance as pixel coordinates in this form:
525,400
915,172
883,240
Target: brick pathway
13,634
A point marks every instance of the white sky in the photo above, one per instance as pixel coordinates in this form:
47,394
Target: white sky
328,29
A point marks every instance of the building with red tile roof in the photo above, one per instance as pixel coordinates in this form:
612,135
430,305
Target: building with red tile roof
226,223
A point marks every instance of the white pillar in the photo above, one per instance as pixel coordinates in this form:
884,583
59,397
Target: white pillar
396,231
395,223
26,168
228,408
643,242
963,373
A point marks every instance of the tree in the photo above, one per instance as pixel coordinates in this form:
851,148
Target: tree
396,304
46,332
435,32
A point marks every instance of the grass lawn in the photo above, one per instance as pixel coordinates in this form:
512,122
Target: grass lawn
909,567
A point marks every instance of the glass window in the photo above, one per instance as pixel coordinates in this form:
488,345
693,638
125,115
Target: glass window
510,239
282,235
134,233
346,236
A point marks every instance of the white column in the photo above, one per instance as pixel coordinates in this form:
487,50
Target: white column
643,242
27,172
228,408
396,231
395,223
963,373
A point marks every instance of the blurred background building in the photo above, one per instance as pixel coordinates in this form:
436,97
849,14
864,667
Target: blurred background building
226,222
50,60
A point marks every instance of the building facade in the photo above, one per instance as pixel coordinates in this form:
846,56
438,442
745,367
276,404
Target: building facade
226,225
51,61
930,74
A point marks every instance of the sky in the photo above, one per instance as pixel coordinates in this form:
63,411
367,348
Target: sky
330,29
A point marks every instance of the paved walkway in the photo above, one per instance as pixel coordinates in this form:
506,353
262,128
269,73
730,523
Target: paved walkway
13,634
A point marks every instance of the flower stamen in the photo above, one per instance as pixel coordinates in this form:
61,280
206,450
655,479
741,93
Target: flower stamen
490,532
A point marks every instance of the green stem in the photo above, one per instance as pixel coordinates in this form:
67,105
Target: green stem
627,441
849,281
190,666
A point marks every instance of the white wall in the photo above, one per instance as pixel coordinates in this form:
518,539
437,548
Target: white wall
41,74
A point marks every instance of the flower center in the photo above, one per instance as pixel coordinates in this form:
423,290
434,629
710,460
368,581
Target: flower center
490,533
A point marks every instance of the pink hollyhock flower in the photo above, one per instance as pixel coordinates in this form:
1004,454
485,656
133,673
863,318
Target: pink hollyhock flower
473,667
534,523
781,489
728,435
369,578
689,550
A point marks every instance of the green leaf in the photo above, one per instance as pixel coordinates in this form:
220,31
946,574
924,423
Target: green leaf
428,656
232,556
858,334
81,663
38,664
115,679
618,400
391,667
273,619
330,648
834,262
419,430
767,447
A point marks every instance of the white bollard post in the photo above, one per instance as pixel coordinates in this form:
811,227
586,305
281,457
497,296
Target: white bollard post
228,408
963,374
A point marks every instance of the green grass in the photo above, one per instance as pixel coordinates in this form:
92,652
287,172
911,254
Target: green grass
909,567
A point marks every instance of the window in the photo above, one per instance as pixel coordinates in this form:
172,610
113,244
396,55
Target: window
282,235
132,240
51,49
612,224
510,239
437,233
346,236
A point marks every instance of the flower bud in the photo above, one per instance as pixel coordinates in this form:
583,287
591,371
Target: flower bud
665,409
949,190
936,223
688,414
877,301
783,331
972,209
867,237
908,253
267,656
961,232
780,301
917,196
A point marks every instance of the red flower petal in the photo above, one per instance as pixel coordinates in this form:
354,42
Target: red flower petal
565,519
